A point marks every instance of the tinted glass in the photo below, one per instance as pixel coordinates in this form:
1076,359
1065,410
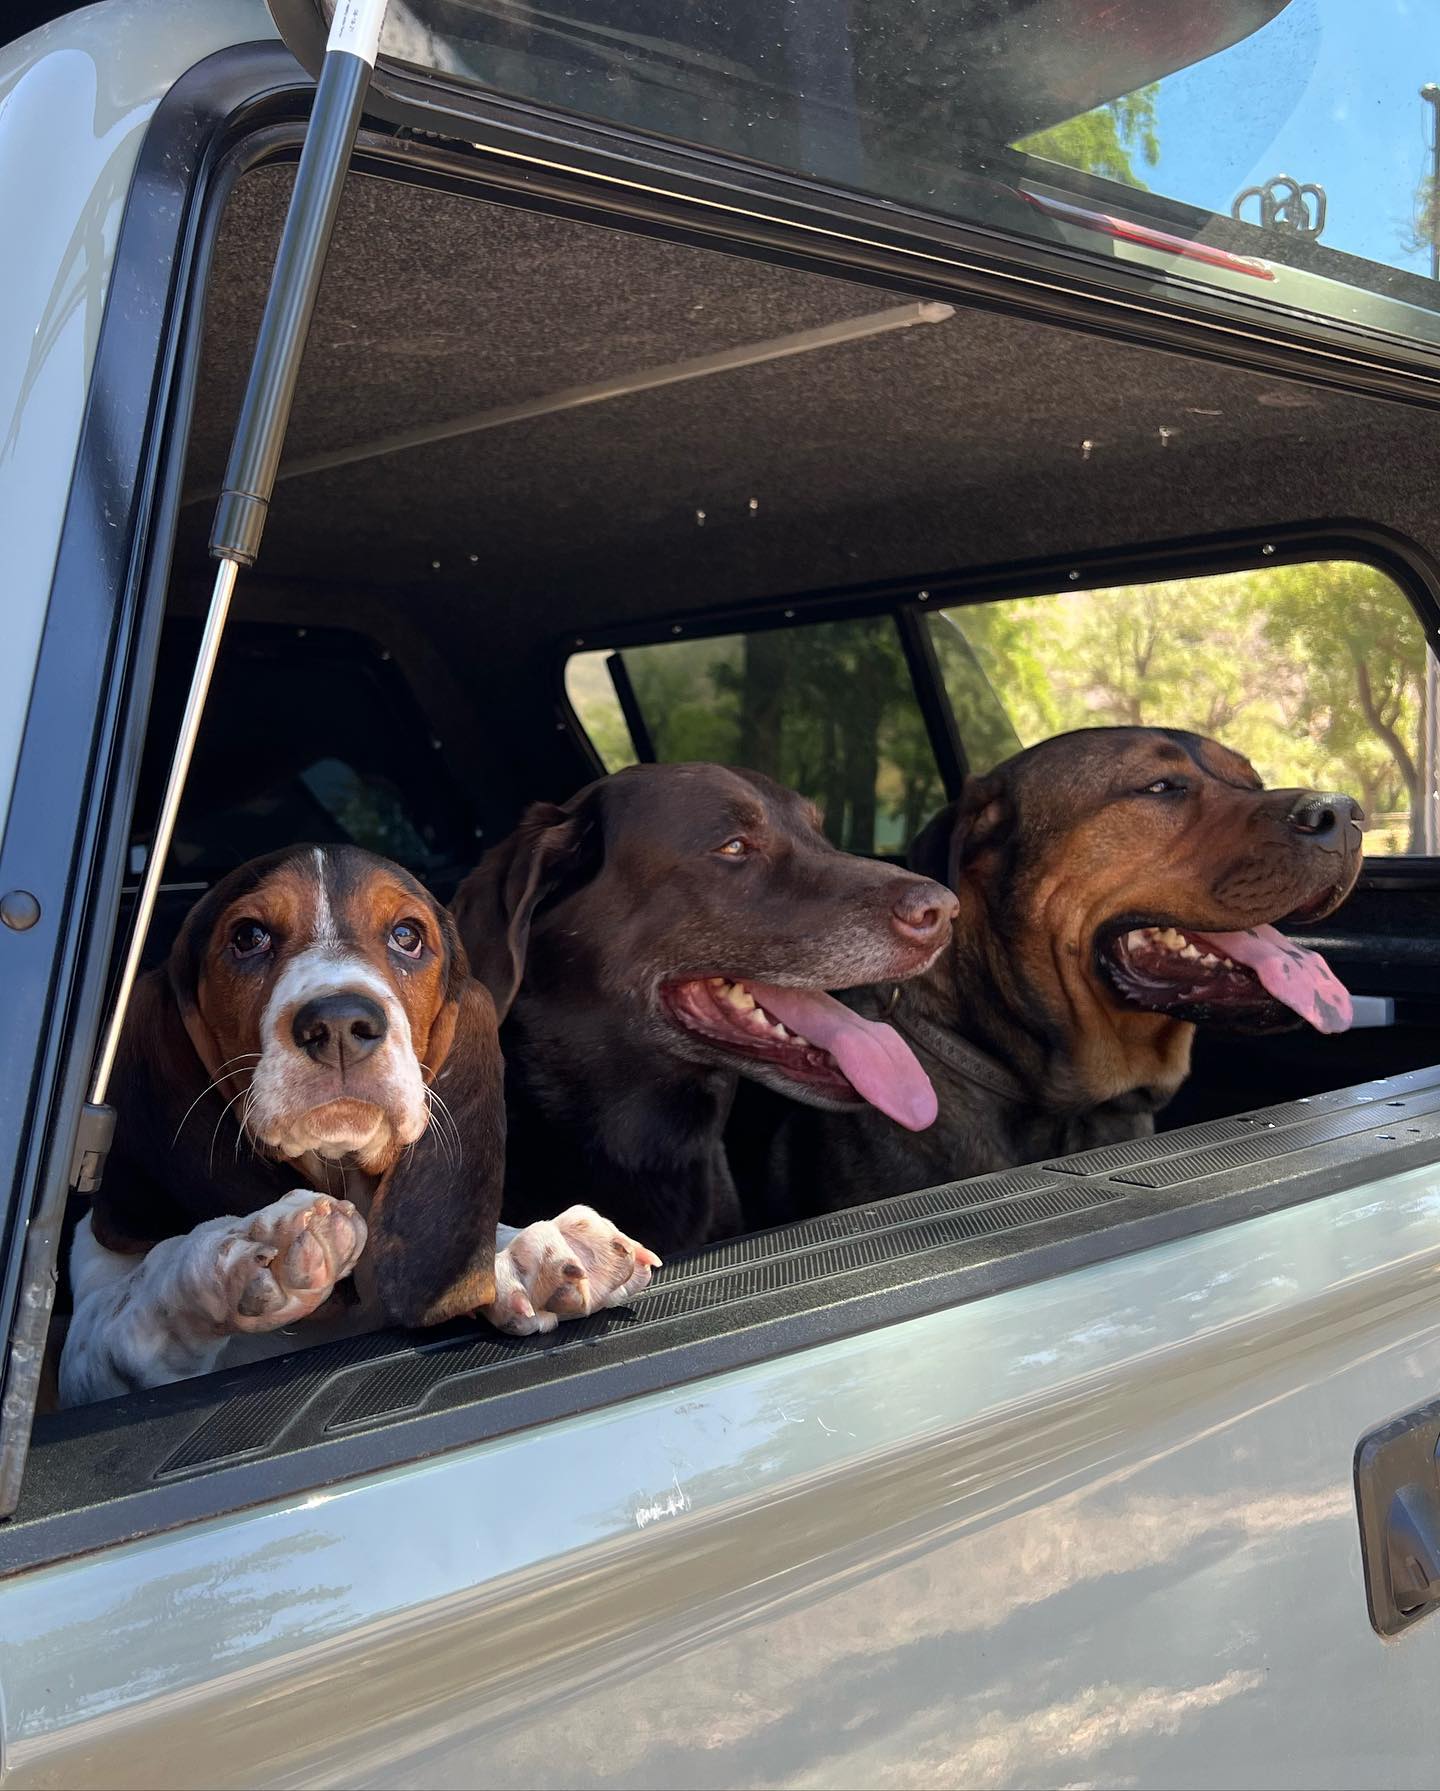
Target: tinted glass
310,734
1094,127
1319,673
827,709
1328,94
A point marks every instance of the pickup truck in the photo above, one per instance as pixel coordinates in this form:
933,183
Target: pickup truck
667,358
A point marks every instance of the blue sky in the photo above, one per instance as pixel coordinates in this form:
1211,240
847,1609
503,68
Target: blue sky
1328,92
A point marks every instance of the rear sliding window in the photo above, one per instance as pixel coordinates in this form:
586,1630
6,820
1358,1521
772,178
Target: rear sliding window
829,710
1317,672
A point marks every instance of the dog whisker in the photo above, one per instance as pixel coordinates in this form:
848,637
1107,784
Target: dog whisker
438,1110
209,1088
215,1135
442,1136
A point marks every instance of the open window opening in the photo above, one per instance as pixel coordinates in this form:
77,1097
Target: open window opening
723,566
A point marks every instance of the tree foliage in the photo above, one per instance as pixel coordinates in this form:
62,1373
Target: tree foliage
829,710
1106,141
1315,672
1426,227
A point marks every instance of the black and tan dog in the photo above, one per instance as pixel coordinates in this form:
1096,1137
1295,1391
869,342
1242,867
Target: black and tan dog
1117,888
670,929
316,1024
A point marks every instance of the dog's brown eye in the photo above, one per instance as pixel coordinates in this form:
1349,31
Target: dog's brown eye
1163,786
248,939
735,848
407,938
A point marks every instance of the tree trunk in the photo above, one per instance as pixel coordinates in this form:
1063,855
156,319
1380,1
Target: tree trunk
1394,745
762,702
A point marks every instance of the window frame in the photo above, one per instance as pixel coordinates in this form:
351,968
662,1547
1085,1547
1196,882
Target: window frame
66,835
1163,306
907,601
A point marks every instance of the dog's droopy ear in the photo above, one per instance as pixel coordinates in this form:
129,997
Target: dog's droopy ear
496,903
978,818
177,1157
433,1216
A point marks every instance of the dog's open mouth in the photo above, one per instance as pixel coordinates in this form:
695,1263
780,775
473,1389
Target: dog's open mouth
810,1038
1251,977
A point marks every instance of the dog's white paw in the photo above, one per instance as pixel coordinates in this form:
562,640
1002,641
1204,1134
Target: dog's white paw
282,1263
566,1267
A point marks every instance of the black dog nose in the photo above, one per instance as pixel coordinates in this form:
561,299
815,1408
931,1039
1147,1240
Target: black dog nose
1321,812
921,913
339,1029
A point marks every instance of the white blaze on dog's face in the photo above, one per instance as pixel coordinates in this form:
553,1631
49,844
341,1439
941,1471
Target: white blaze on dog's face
316,992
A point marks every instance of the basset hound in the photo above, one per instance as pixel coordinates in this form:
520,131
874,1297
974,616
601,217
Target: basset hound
311,1089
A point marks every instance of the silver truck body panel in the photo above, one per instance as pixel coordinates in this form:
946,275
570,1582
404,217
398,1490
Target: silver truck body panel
1099,1530
75,101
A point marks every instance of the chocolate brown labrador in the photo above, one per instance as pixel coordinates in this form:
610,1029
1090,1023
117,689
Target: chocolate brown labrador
667,931
1118,888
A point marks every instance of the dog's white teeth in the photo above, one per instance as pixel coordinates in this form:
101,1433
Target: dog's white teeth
739,998
779,1030
1229,963
1210,961
1135,939
717,982
1175,941
1190,951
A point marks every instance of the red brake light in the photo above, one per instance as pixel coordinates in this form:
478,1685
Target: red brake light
1146,238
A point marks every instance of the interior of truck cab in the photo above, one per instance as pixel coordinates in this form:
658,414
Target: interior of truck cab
570,486
946,526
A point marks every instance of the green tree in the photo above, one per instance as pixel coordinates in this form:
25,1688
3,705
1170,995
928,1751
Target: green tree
1315,672
1364,694
1423,230
1426,229
828,710
1105,141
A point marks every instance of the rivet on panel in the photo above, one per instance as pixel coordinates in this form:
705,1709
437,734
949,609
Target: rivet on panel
19,910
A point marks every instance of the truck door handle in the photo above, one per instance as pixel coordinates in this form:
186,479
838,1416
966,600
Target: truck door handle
1397,1496
1412,1549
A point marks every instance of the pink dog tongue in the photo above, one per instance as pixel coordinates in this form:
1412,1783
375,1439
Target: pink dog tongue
1299,978
876,1061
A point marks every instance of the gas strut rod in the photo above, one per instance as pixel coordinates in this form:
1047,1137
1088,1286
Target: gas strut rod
240,514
